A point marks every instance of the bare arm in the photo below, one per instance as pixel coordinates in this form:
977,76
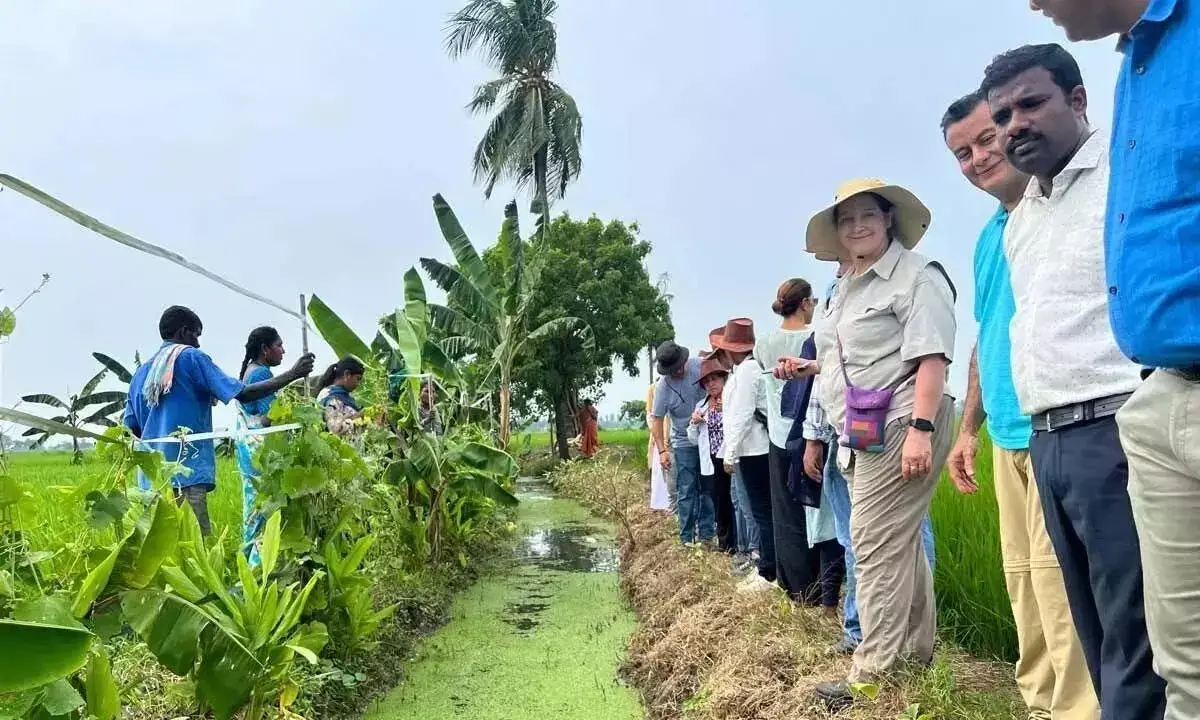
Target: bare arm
973,412
260,390
931,386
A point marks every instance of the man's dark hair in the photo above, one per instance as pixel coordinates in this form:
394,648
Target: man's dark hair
1050,56
961,108
176,318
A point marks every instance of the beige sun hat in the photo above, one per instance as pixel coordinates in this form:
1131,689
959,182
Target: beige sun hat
912,217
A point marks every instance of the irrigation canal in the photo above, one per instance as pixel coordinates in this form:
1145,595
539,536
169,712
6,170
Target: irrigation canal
542,639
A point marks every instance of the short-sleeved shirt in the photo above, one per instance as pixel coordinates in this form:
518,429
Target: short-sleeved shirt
1152,238
677,398
899,311
994,310
1064,351
258,408
198,383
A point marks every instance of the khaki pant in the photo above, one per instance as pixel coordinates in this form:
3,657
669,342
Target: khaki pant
1160,431
1052,674
895,584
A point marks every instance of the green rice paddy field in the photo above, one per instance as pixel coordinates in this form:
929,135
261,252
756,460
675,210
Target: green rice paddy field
972,600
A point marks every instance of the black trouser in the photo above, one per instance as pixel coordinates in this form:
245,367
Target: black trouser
722,485
1082,476
797,566
756,474
833,571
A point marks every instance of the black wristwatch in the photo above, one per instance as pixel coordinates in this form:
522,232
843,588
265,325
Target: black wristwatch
921,424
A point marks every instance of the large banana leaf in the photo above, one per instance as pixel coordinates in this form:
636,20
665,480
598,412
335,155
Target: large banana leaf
484,458
227,674
456,323
44,399
104,412
96,580
513,248
159,545
415,304
91,385
459,291
336,332
48,426
103,695
115,367
442,366
36,654
464,252
108,396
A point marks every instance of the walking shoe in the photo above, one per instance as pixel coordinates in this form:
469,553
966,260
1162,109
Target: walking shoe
836,696
742,564
756,583
845,646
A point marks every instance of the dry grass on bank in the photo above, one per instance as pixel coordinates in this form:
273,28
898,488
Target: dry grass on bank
703,652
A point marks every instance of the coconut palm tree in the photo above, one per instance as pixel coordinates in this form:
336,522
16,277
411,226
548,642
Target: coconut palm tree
482,319
535,132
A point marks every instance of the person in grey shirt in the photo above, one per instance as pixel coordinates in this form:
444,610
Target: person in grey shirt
675,397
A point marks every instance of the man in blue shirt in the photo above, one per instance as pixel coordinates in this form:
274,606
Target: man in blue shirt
1152,259
1052,674
176,389
676,396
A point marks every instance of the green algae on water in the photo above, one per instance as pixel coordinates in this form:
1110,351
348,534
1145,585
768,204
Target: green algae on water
543,640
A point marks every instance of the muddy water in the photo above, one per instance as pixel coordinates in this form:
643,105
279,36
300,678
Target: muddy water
541,640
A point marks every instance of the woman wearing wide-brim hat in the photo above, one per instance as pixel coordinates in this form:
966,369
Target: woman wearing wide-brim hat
746,441
884,391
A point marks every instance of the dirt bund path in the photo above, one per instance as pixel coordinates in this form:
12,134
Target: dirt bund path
542,639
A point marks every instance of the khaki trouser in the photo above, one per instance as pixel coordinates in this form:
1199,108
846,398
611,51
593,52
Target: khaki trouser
895,585
1052,674
1160,431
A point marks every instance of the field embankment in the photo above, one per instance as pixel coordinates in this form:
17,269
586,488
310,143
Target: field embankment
703,652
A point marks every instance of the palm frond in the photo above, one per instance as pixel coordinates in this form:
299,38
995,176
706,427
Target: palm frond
487,94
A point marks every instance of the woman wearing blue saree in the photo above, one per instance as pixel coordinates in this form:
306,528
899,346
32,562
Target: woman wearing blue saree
341,409
264,350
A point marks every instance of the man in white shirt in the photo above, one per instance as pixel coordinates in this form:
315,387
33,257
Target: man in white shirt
1069,374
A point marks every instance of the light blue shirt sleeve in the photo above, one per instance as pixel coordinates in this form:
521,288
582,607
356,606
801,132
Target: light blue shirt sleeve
210,377
263,405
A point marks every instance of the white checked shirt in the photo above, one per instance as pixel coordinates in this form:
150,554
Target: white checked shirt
1063,349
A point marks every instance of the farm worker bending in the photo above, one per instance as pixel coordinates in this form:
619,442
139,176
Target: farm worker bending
264,350
675,397
1051,672
177,389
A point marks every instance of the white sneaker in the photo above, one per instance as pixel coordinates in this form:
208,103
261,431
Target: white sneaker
756,583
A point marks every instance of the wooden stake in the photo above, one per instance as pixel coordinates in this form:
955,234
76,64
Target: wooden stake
303,324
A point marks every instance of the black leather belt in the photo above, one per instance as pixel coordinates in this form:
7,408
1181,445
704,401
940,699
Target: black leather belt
1191,374
1068,415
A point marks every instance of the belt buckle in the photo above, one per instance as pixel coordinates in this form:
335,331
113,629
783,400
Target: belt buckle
1076,416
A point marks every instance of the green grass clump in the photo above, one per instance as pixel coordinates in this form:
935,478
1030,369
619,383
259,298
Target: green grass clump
973,604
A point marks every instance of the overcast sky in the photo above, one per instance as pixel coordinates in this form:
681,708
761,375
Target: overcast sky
294,147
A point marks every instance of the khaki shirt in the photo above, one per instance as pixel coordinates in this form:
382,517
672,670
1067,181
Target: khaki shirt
899,310
1063,348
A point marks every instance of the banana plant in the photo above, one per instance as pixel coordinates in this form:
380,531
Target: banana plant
482,319
75,411
239,645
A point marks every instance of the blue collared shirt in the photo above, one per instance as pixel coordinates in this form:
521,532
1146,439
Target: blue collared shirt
994,311
198,384
1152,238
676,398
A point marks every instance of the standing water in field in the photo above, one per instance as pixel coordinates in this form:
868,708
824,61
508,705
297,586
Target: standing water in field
543,639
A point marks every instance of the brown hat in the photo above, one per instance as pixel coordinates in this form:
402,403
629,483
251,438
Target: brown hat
736,336
711,366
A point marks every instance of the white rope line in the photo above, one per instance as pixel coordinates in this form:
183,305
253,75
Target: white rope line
112,233
220,434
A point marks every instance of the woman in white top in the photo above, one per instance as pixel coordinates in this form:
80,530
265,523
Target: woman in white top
746,441
809,561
